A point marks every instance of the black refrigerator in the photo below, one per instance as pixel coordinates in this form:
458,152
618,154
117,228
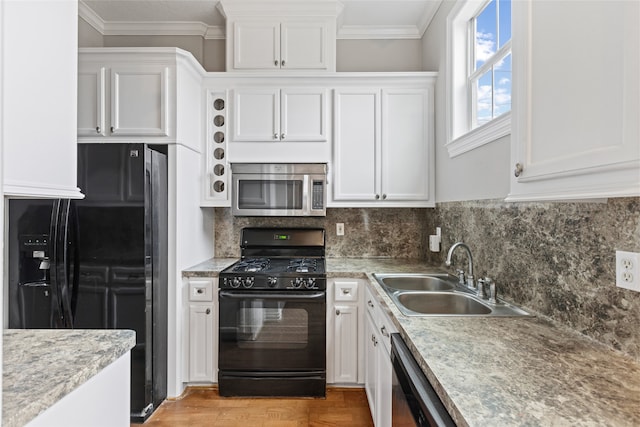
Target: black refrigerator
100,262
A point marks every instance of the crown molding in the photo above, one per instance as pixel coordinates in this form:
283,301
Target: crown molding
427,17
90,17
280,8
209,32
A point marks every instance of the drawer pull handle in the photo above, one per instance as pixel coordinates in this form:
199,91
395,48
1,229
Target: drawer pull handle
384,332
346,291
370,304
337,312
208,311
200,291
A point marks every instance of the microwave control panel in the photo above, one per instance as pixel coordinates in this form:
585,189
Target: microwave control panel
318,195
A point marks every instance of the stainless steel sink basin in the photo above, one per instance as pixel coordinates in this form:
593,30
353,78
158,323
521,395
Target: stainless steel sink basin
441,303
417,283
439,294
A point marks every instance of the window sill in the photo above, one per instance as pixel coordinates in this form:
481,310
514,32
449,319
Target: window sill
489,132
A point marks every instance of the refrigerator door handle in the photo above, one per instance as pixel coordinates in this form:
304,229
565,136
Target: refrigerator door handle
57,319
61,312
63,257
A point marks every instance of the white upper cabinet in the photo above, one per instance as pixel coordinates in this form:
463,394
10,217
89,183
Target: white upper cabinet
272,115
288,46
356,144
140,93
278,36
407,144
39,111
383,147
122,100
139,101
576,100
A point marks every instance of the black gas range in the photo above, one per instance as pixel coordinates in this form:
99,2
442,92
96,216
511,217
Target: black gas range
273,315
278,259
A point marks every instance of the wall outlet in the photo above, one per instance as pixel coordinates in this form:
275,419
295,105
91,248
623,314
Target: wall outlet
628,270
340,229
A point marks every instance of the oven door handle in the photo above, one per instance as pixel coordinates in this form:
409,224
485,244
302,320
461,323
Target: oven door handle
297,296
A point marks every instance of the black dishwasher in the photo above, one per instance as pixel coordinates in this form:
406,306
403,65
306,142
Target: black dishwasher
414,401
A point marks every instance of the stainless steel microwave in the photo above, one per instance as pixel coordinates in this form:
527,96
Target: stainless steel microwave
279,189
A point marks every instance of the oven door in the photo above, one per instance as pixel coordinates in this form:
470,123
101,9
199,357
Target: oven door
274,331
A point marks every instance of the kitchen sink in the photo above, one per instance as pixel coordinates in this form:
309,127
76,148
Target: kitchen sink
439,294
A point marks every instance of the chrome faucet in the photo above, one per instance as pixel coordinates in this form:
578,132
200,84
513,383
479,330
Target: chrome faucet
470,283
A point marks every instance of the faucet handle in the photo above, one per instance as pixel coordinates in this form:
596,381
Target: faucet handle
461,278
480,293
492,289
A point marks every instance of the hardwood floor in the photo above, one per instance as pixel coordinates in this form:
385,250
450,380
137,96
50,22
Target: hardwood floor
203,406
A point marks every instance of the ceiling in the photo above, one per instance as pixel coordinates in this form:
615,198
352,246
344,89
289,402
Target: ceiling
358,19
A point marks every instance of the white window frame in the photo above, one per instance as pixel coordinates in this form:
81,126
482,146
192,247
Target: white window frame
461,138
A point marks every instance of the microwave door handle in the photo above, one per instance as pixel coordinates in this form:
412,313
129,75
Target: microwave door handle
306,206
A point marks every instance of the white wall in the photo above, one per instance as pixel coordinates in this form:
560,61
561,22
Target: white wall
479,174
379,55
193,44
88,36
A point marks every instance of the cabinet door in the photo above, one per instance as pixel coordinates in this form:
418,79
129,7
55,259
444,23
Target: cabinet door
405,144
201,342
357,140
345,365
256,45
38,112
576,136
371,365
385,372
256,115
91,101
303,115
139,101
304,45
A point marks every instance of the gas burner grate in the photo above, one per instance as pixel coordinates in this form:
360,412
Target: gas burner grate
303,265
252,265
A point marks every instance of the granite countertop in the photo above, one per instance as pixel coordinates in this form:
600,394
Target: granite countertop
41,366
502,371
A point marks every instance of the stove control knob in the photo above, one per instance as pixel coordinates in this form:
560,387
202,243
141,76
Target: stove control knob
236,282
297,282
311,282
247,282
272,282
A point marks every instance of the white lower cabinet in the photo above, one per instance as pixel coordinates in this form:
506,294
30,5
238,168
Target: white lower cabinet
344,331
202,331
378,368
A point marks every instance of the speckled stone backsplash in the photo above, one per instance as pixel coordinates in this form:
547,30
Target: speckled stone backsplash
394,233
555,258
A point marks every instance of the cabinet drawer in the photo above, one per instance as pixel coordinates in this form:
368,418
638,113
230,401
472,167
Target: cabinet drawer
201,290
371,304
346,291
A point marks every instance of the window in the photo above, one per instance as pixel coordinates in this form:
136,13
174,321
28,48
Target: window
478,74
